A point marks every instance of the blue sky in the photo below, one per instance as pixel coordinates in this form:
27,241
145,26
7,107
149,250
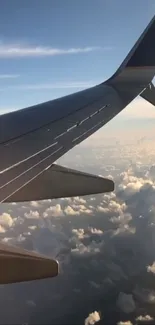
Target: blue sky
50,48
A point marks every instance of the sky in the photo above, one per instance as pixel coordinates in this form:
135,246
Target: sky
49,49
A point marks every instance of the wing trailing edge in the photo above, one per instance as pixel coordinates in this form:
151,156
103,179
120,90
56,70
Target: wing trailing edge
58,181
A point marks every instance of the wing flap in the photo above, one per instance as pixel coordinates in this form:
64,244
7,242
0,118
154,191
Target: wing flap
58,181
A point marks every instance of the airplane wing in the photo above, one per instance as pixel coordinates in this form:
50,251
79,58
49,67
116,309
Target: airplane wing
58,181
18,265
32,139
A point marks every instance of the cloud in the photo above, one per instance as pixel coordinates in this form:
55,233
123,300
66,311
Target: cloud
80,200
9,76
144,318
54,211
144,295
92,318
35,204
18,50
103,252
121,219
2,230
96,231
48,86
126,302
75,209
125,323
70,211
6,220
80,233
151,268
32,215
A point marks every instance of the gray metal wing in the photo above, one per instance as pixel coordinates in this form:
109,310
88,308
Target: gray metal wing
57,181
18,265
32,139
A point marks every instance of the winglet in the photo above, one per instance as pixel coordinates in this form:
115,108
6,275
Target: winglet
139,65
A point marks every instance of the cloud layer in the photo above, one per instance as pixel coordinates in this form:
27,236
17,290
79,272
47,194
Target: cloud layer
18,50
105,243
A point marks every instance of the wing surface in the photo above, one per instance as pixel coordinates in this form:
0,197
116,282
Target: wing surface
18,265
33,138
27,153
58,181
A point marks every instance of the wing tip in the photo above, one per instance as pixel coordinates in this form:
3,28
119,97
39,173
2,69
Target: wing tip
25,266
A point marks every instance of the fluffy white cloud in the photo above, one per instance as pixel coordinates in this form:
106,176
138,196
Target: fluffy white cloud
92,248
111,207
54,211
85,233
32,214
151,268
19,50
76,209
6,220
125,229
117,207
121,219
80,200
35,204
92,318
95,231
70,211
102,209
32,227
131,184
80,233
144,318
